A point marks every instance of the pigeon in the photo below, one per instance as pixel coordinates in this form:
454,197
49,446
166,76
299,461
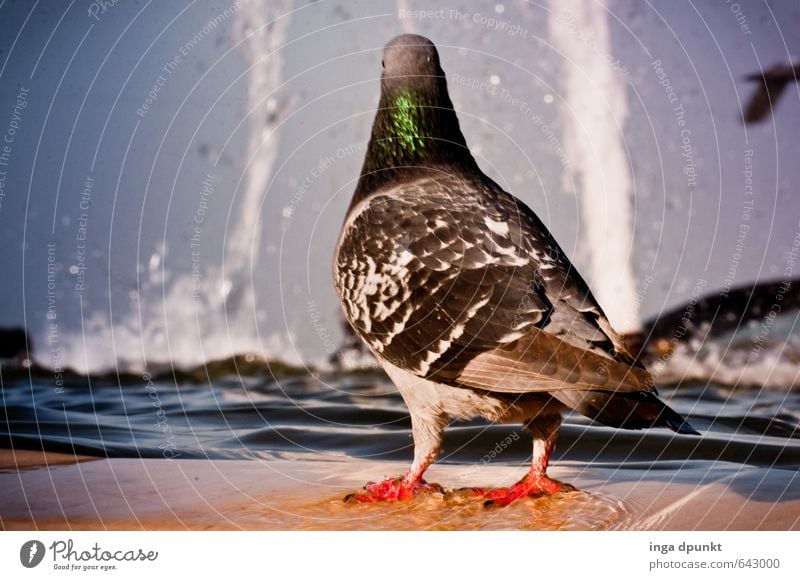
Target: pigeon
772,84
465,298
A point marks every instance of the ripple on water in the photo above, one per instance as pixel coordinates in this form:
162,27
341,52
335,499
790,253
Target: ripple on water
452,511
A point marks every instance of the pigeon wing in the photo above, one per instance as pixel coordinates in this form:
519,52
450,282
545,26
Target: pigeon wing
457,281
764,99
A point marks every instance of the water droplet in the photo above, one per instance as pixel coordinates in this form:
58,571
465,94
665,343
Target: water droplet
548,98
499,8
494,79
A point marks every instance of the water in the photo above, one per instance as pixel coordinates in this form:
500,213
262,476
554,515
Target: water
595,110
184,316
271,446
287,413
574,511
280,445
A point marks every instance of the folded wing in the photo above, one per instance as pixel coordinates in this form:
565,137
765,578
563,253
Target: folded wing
458,281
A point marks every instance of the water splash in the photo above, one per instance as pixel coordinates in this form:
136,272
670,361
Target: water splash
594,110
407,24
185,320
258,32
733,363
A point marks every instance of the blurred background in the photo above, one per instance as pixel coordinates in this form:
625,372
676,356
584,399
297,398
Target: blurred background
174,177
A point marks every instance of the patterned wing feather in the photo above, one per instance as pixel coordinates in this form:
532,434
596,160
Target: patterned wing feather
457,281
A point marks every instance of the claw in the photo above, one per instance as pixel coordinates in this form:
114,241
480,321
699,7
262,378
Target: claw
529,486
392,489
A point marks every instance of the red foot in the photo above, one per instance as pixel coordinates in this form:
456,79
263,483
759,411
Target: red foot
392,489
530,485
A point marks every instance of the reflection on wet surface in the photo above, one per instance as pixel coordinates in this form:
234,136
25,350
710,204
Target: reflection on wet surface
434,511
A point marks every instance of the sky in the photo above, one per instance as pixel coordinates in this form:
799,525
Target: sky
173,177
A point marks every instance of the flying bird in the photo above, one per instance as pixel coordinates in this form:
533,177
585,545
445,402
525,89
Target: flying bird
772,84
465,298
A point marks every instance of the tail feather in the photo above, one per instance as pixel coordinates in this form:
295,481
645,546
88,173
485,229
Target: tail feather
637,410
677,423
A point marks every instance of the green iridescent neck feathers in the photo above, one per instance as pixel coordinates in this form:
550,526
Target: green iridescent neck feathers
407,122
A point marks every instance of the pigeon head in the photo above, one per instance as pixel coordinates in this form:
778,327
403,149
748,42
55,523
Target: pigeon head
415,129
411,58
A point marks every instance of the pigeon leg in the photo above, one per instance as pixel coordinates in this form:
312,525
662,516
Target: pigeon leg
427,442
536,482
